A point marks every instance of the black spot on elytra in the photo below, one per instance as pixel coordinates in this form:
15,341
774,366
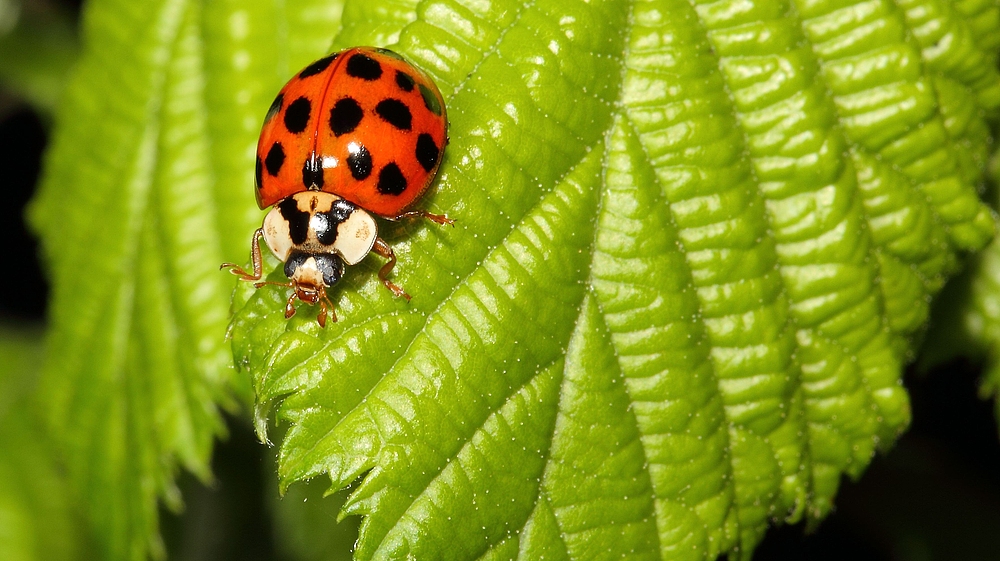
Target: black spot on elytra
395,112
360,163
297,115
317,67
275,107
427,151
312,173
258,173
275,159
404,81
391,180
364,67
430,100
298,221
345,116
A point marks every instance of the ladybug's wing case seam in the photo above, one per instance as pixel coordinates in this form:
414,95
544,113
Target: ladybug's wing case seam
378,129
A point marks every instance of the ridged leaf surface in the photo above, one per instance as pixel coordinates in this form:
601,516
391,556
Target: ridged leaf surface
696,243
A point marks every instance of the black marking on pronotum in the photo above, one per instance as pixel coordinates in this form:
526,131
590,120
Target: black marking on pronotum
275,159
312,172
326,232
430,100
297,115
364,67
341,210
360,163
404,81
427,151
345,116
298,220
391,180
395,112
317,67
275,107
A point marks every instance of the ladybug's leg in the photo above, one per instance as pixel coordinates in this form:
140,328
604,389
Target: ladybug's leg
439,218
290,306
324,306
384,250
254,256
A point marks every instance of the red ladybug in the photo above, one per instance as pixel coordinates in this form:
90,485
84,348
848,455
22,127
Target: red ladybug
357,132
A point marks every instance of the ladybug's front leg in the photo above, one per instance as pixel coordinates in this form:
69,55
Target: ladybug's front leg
290,305
325,305
254,256
384,250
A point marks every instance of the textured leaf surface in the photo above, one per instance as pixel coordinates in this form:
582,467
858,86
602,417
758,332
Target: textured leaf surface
144,195
696,242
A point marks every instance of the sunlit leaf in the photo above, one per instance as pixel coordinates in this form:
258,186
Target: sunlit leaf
695,246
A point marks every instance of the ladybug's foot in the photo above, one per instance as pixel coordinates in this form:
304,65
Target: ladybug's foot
384,250
438,218
290,306
239,272
325,306
254,258
399,292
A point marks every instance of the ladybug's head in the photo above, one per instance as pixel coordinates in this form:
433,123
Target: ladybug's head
317,234
312,272
310,275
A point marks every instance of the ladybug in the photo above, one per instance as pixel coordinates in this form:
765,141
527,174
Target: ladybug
356,133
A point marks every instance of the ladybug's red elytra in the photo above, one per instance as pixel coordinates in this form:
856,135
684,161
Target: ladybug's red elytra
356,132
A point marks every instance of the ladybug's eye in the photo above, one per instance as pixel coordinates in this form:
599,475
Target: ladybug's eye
330,266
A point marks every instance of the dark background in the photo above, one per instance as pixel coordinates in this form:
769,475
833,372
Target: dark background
935,495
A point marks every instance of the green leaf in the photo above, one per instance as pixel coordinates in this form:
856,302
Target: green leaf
38,518
695,245
144,195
